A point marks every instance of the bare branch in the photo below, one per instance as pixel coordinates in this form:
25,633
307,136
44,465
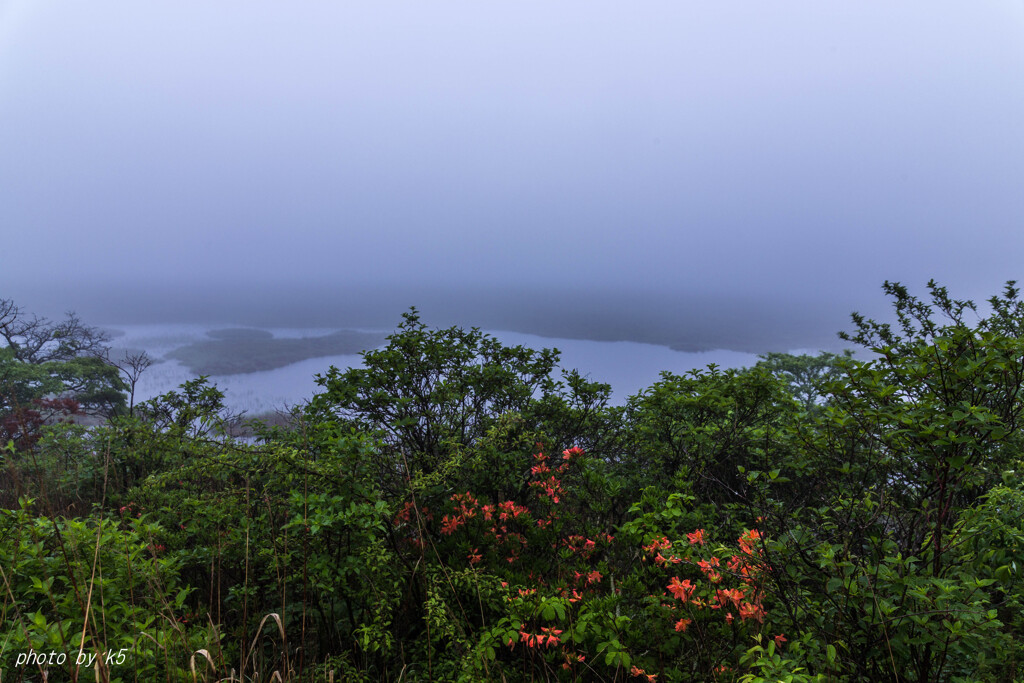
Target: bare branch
38,340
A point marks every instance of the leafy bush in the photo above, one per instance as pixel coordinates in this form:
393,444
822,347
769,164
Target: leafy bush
87,588
452,512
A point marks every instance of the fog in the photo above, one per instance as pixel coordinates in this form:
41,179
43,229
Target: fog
698,175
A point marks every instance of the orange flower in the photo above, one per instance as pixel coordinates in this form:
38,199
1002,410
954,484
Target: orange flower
682,624
528,638
635,671
552,636
748,540
681,589
751,611
450,524
707,566
733,595
696,538
657,544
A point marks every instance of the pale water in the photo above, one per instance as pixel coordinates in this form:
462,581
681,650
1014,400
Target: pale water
628,367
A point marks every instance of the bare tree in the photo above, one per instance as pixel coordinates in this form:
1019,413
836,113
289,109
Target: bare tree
37,340
132,365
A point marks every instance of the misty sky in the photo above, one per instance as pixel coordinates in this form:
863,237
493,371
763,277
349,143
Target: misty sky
764,152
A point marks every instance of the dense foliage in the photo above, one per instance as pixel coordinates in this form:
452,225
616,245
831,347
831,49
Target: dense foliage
458,510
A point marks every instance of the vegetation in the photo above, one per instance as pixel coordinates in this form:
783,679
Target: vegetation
50,370
456,511
240,350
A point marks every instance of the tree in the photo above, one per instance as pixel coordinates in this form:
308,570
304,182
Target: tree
808,376
944,400
132,365
705,427
429,392
897,474
50,370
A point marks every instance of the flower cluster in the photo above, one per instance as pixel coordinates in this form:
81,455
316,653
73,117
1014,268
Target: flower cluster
546,638
744,600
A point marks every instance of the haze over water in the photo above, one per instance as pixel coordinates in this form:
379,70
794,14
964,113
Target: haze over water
681,175
628,367
697,321
700,175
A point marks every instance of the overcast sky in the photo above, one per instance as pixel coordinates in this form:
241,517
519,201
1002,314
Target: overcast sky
781,151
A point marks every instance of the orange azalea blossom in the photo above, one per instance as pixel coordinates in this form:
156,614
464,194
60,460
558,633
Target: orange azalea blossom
682,624
529,639
657,544
403,516
450,524
696,538
462,500
681,589
661,559
635,671
779,640
751,611
594,576
707,566
571,657
733,595
552,487
509,508
571,452
474,556
552,636
748,540
580,544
